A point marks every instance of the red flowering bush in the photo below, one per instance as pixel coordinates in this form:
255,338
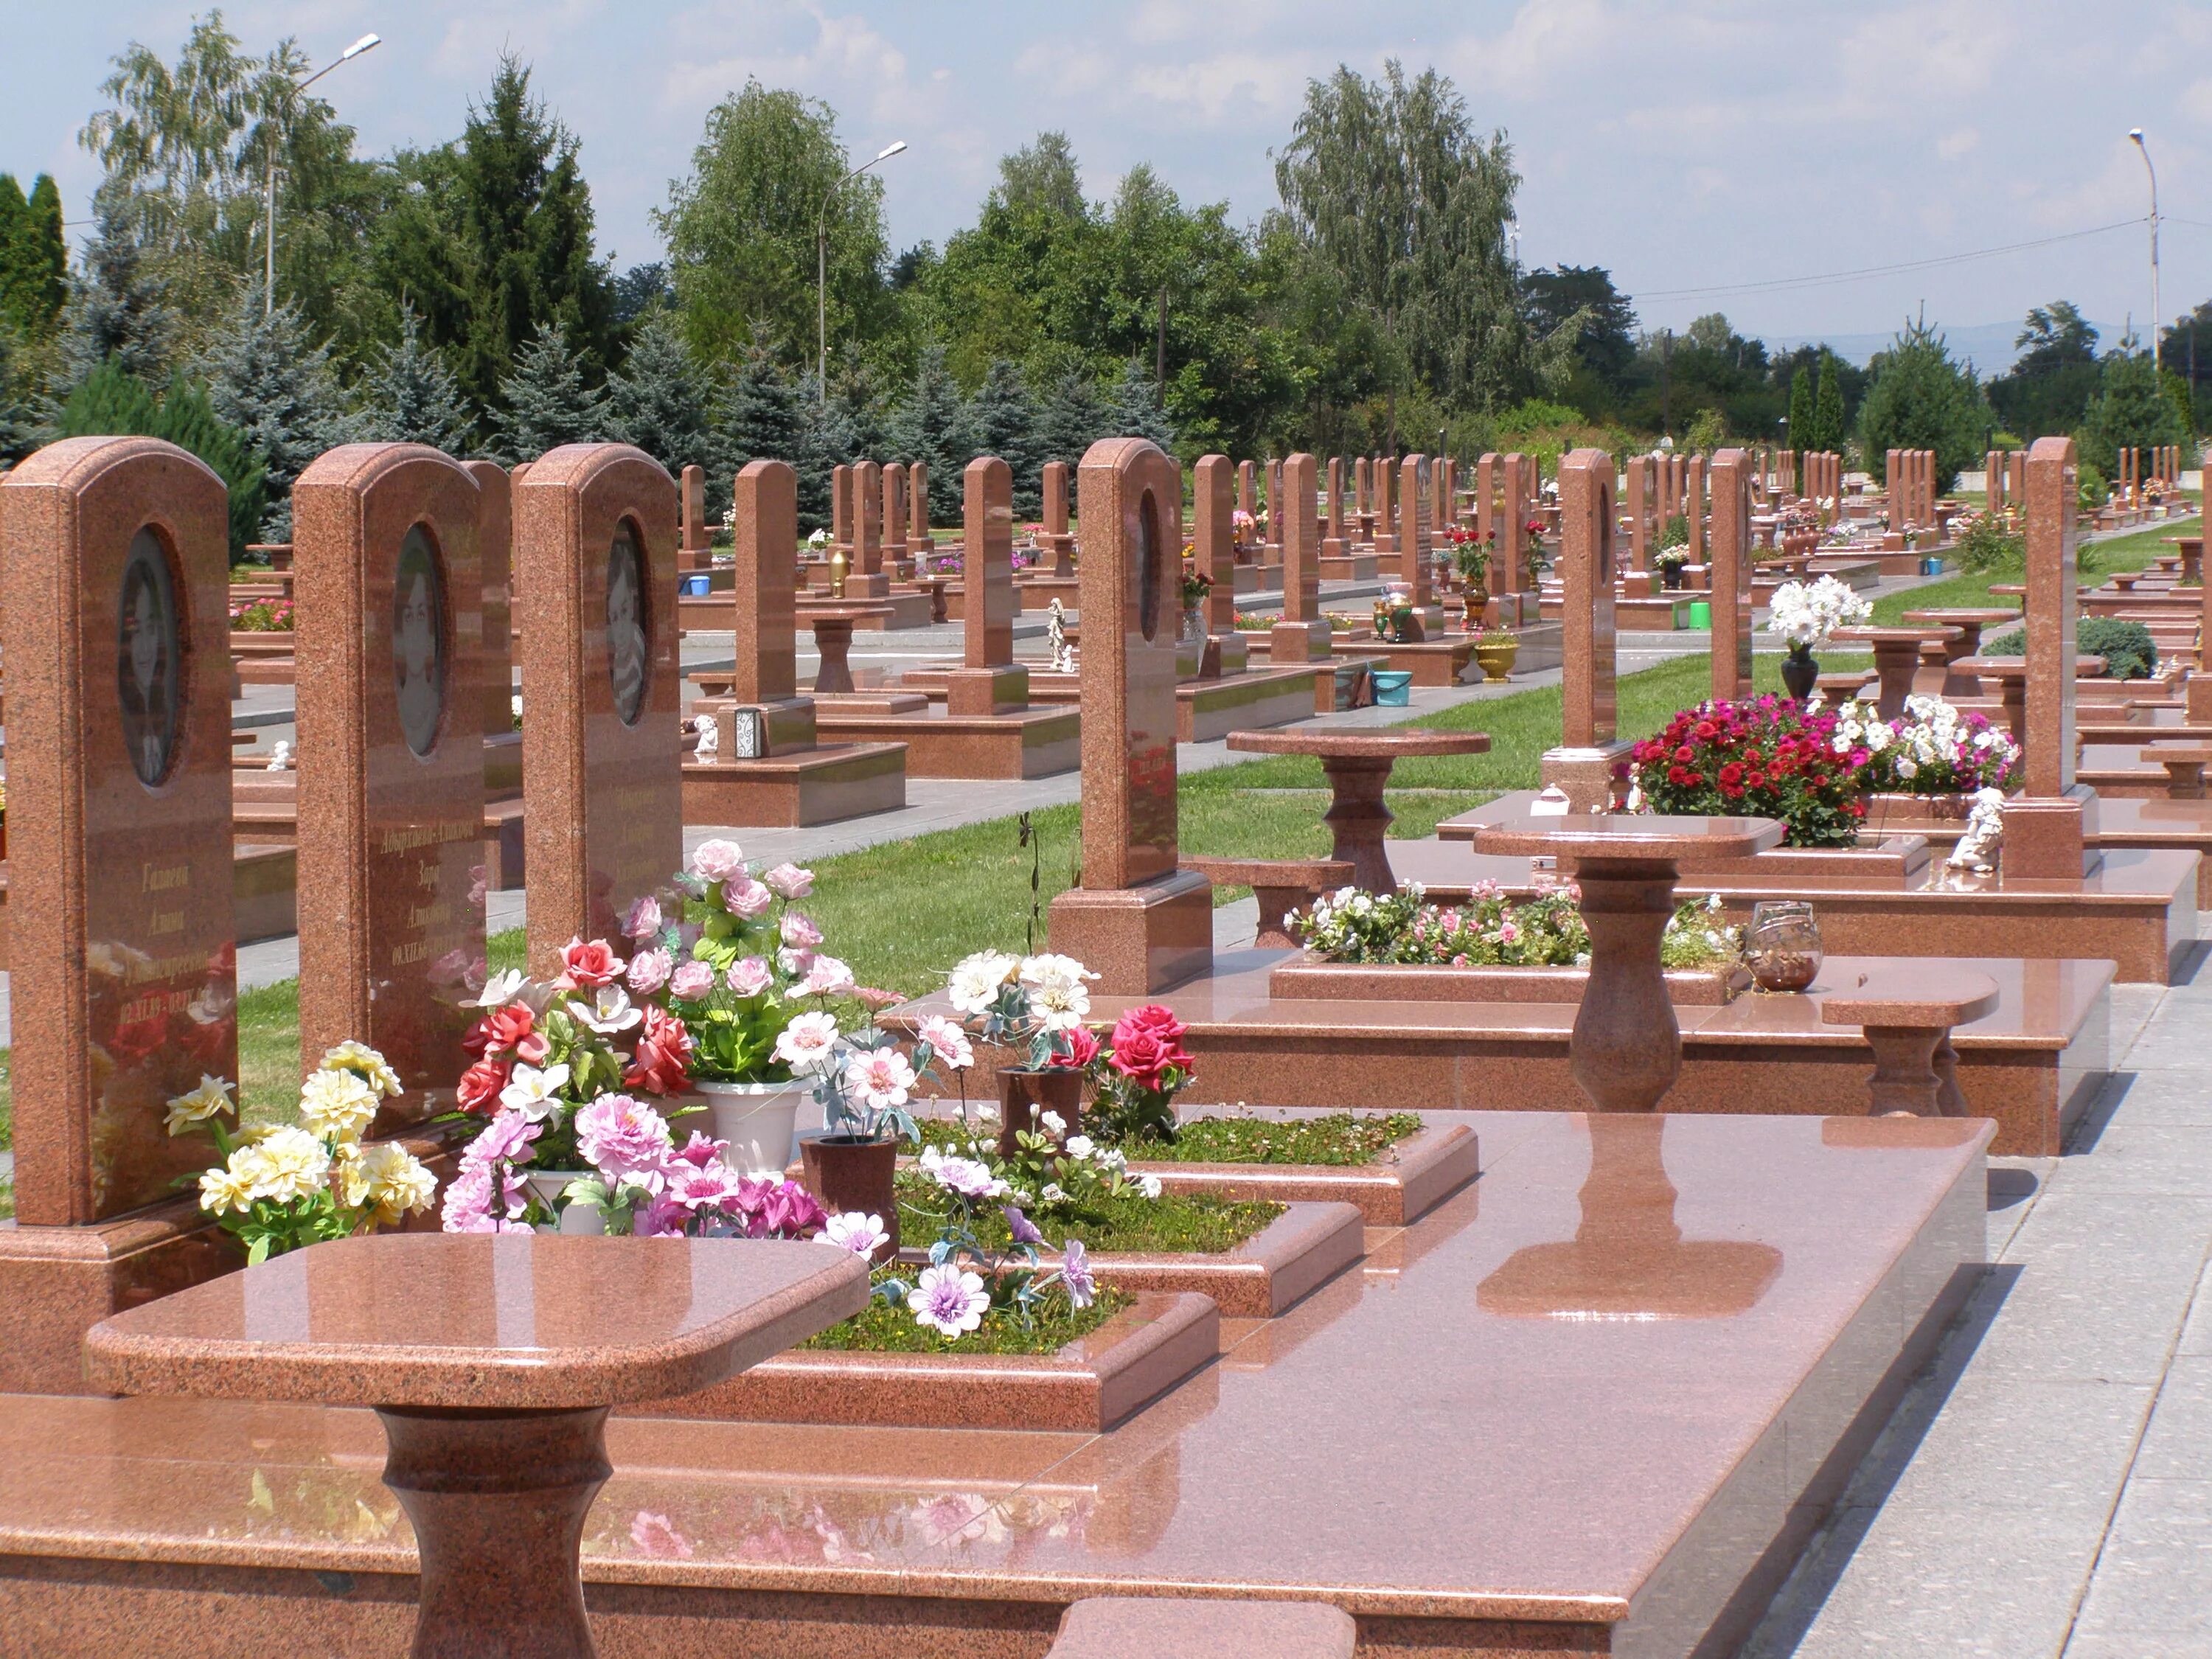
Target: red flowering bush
1764,759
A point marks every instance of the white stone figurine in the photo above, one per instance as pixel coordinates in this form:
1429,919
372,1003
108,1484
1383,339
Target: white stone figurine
1976,849
280,758
1055,636
710,737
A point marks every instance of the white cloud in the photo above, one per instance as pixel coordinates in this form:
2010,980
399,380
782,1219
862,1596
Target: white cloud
1954,145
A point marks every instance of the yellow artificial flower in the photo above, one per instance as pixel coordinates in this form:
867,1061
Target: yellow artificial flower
213,1096
227,1188
364,1063
393,1180
286,1164
338,1105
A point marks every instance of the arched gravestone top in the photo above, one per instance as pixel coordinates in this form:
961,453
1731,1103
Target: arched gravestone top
391,792
114,553
602,740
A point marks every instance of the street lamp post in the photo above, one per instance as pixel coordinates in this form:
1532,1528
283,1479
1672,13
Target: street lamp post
2157,316
367,42
821,266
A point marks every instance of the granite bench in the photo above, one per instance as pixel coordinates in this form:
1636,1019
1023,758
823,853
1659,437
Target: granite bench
1279,885
1906,1013
1154,1627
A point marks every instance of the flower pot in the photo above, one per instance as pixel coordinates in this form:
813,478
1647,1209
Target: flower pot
848,1173
1670,577
1194,625
1495,658
758,1120
546,1186
1025,1093
1471,607
1801,672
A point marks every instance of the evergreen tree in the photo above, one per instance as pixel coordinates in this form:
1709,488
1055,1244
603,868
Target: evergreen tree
826,443
415,397
111,401
757,419
1070,419
2130,411
1002,419
660,400
117,308
548,401
18,424
857,395
1921,399
1828,407
931,427
1800,411
39,274
15,232
1135,411
267,379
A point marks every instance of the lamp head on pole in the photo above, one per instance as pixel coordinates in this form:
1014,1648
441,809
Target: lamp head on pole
890,150
367,42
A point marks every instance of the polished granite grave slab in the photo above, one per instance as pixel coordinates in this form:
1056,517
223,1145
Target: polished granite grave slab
1592,1403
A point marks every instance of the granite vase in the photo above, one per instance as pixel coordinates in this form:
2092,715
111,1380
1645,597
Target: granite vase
1494,656
854,1172
759,1120
1026,1093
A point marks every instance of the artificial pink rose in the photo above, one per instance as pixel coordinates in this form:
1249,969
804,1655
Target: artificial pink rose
749,977
798,930
479,1087
502,1028
789,881
620,1136
662,1064
717,861
743,896
826,976
649,971
584,967
1074,1047
691,982
643,920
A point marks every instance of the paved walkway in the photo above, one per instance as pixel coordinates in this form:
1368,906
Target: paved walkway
2046,1488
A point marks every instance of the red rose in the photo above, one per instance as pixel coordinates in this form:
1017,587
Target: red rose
1077,1048
479,1087
662,1063
1147,1041
501,1029
583,966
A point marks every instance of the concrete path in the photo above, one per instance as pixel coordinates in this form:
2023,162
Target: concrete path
2045,1491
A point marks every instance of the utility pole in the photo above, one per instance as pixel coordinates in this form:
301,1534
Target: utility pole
1160,351
269,182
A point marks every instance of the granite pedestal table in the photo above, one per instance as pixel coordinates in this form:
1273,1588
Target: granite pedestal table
1358,766
2191,549
2011,674
492,1361
832,638
1906,1013
1896,658
1968,620
1627,1048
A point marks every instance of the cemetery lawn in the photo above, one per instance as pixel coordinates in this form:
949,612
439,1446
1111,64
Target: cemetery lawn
1340,1140
1174,1223
904,912
881,1329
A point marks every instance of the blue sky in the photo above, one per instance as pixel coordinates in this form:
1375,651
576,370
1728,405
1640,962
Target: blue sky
1685,146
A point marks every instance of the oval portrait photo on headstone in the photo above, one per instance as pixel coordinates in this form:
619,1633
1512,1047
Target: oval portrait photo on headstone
628,625
418,641
149,659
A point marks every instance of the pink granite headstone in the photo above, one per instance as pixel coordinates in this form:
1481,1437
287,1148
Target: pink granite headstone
1331,545
1509,570
495,573
1213,483
1302,633
1058,543
1694,508
2047,826
988,681
1730,574
894,519
918,539
865,579
1589,753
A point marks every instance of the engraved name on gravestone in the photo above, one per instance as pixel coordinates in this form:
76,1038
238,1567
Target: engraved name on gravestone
114,552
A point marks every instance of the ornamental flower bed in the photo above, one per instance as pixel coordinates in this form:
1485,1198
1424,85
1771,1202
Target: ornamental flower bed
1764,758
262,616
1354,926
1932,750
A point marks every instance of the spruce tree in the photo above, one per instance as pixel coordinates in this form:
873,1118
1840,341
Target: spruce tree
756,418
414,396
34,259
1828,407
1070,419
1800,411
1921,399
548,402
660,400
111,401
18,422
117,308
931,427
266,379
15,234
1003,420
2130,411
857,396
826,443
1135,411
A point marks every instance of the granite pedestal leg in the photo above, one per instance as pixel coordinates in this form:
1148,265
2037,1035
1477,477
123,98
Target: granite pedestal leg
2185,779
1627,1048
1904,1077
1950,1099
833,638
1957,683
497,1499
1357,818
1895,663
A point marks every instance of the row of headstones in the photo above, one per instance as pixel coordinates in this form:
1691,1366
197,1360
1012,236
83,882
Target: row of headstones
1911,480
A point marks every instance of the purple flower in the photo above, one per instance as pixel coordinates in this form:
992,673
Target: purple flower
1024,1229
1075,1273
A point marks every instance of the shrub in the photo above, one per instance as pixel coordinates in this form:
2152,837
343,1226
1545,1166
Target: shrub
111,401
1990,544
1764,758
2127,647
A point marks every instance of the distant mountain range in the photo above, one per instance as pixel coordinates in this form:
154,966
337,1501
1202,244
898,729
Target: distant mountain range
1990,344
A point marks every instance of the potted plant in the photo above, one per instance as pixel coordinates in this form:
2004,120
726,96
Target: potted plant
1196,586
282,1188
1139,1070
1470,556
1495,648
865,1084
1765,757
1034,1005
733,960
1803,615
1671,561
544,1052
1927,765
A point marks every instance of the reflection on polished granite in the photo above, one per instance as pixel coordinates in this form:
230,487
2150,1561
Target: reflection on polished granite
1602,1396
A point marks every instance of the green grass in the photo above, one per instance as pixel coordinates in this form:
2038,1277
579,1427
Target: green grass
1341,1140
1175,1223
2130,552
881,1329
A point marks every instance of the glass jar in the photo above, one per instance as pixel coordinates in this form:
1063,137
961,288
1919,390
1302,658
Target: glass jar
1781,946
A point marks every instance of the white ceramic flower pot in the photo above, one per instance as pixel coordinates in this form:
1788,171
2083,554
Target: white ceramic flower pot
547,1186
760,1121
